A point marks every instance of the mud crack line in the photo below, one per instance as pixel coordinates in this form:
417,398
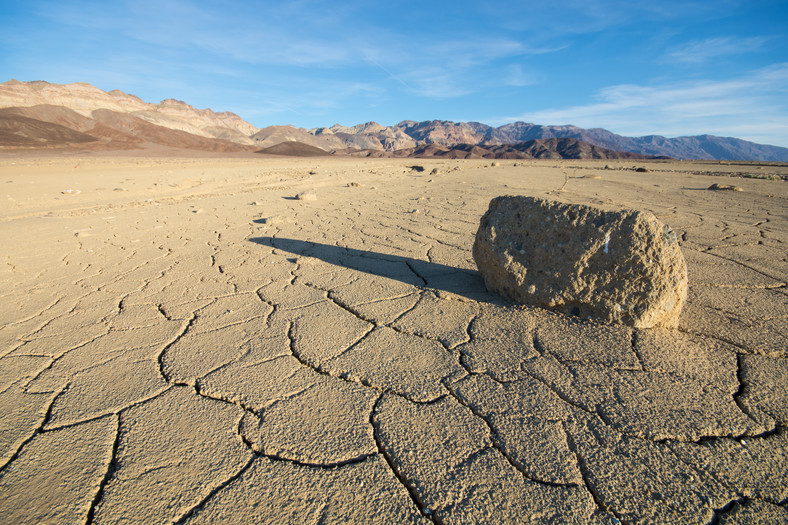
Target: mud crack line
189,513
583,468
107,474
414,495
496,444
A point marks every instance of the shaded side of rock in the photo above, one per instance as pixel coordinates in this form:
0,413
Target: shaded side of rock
614,266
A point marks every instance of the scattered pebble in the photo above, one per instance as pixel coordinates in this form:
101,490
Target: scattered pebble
728,187
434,171
307,196
354,185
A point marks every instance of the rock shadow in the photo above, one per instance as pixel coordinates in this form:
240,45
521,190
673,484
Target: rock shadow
416,272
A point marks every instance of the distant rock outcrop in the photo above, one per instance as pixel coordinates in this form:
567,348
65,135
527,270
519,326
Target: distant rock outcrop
145,131
448,133
273,135
84,99
367,136
618,267
445,133
48,125
456,139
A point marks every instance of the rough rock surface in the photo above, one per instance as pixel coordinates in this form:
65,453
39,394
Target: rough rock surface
615,266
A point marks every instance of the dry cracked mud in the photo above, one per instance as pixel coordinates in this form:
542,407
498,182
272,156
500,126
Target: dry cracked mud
205,348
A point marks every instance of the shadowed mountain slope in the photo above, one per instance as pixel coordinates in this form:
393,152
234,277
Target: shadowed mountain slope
17,130
294,149
533,149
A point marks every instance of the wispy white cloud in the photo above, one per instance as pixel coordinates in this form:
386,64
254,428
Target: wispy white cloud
446,69
436,82
517,77
754,102
698,51
314,99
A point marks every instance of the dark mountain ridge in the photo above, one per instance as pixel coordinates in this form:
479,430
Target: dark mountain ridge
707,147
563,148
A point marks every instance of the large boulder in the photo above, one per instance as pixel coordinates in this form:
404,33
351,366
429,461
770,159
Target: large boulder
614,266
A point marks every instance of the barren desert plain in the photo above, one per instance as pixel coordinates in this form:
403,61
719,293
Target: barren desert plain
184,341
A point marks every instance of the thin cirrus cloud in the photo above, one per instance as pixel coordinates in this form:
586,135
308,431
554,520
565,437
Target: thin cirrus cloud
684,108
699,51
448,69
516,76
578,17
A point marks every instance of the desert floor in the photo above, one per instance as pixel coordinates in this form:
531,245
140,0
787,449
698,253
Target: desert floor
184,341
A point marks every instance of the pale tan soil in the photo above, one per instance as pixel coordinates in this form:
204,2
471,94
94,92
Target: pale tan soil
184,341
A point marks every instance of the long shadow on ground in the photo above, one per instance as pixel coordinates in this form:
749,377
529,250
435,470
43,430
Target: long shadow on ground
416,272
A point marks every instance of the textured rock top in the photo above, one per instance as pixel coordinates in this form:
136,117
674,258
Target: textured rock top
615,266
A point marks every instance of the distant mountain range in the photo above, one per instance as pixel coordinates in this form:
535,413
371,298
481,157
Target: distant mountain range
39,114
532,149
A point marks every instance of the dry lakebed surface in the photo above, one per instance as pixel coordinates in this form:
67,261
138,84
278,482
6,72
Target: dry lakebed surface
185,341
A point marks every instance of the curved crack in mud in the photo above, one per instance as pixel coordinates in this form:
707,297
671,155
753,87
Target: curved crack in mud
412,492
584,472
498,447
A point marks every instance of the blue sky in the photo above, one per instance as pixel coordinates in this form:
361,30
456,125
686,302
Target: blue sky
636,68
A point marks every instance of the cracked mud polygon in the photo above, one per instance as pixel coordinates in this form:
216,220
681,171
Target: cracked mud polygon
203,348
